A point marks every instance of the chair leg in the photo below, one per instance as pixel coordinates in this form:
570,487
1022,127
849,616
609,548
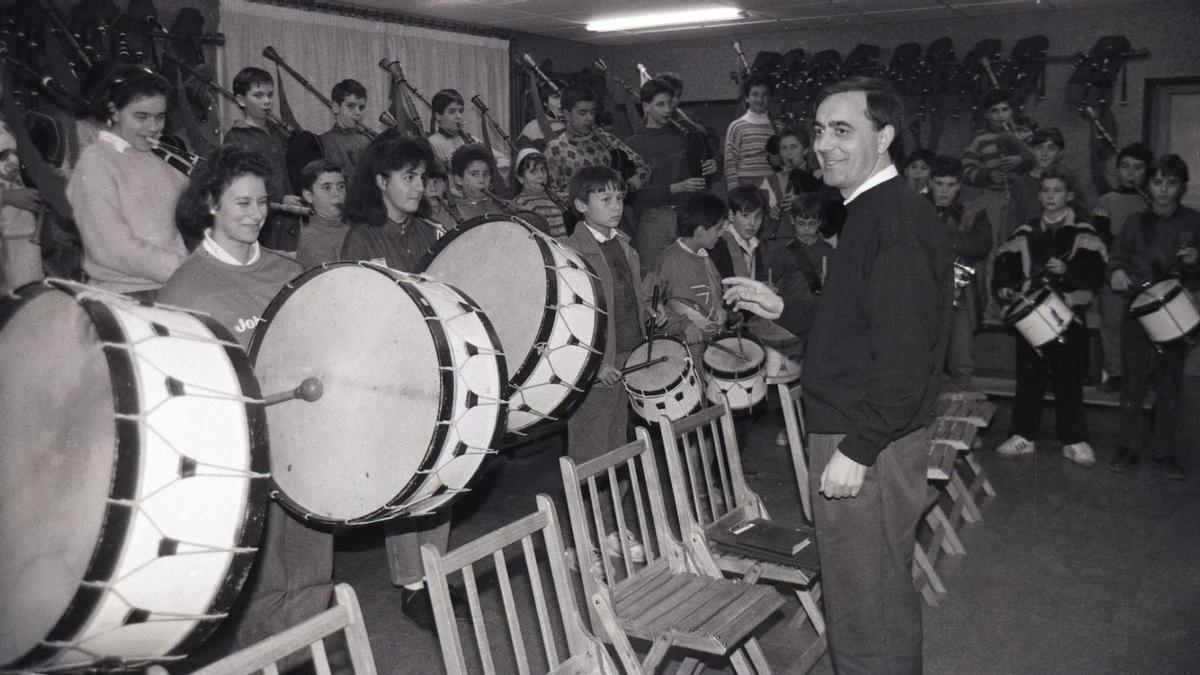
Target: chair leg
658,649
940,524
926,568
690,665
754,650
980,474
616,635
959,491
809,604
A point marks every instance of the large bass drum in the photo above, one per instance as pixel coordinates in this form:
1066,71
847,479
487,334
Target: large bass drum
132,478
413,393
547,306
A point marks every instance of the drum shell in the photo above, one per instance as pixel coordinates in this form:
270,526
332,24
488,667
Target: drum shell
1041,316
1167,311
386,465
744,388
189,422
674,399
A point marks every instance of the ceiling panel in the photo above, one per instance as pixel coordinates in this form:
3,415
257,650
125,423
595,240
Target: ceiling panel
566,19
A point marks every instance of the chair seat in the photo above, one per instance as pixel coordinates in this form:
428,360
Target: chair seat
697,612
976,412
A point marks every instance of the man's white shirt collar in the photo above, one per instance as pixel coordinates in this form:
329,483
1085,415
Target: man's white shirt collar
885,174
224,256
114,140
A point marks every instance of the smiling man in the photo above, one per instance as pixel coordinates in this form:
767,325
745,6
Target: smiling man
872,371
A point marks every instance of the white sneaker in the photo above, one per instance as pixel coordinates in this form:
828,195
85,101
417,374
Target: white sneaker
595,565
1016,446
637,552
1080,453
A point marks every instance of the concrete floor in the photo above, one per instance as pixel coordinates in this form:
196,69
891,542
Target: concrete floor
1073,570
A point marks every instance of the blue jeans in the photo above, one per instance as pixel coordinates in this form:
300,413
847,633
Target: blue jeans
865,544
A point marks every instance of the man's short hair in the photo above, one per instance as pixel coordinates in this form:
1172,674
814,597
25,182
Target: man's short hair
248,78
746,199
654,87
443,99
945,166
576,94
1051,134
1171,166
346,88
313,170
757,80
468,154
808,205
1057,171
1137,151
884,105
591,179
702,209
994,97
673,81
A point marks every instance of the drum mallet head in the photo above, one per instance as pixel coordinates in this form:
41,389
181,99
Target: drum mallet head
309,390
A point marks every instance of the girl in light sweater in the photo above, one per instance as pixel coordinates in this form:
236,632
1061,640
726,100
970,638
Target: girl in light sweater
123,195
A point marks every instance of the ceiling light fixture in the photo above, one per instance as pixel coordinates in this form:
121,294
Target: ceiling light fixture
659,19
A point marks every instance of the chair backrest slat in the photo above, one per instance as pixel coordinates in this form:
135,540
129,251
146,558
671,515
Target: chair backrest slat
792,399
477,620
319,658
510,613
533,569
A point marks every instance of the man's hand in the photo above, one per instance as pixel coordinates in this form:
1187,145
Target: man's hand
1010,162
1007,294
693,334
608,375
752,295
842,477
1120,281
688,185
26,199
708,167
1056,266
294,200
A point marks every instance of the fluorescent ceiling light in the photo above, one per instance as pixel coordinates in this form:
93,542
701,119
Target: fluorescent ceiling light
635,22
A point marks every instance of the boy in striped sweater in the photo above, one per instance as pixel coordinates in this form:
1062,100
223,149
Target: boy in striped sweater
746,140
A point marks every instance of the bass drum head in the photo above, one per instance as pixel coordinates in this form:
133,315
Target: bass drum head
57,455
351,452
498,264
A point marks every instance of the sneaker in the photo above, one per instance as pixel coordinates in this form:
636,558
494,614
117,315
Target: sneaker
1171,468
781,438
1015,446
1124,461
1080,453
595,565
637,552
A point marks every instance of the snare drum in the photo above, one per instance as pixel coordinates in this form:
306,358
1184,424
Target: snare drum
733,371
1040,315
413,400
669,389
779,344
544,302
132,478
1167,311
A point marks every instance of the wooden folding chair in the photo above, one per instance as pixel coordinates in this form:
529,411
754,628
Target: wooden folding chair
791,399
664,601
711,494
344,616
558,615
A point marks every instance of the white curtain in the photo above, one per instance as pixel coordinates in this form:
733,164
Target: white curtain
327,48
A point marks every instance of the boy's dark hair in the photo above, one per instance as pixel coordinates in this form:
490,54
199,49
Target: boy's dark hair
444,98
1171,166
529,162
576,94
945,166
673,81
1058,172
654,87
388,153
313,170
436,170
193,213
1051,134
700,210
346,88
920,154
127,83
1136,151
797,132
773,145
757,80
995,96
465,155
808,205
746,199
248,78
591,179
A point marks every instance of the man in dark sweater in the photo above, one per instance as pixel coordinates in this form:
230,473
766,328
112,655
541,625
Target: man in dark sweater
872,370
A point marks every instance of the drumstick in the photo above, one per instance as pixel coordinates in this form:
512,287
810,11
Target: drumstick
650,328
732,352
644,364
309,390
